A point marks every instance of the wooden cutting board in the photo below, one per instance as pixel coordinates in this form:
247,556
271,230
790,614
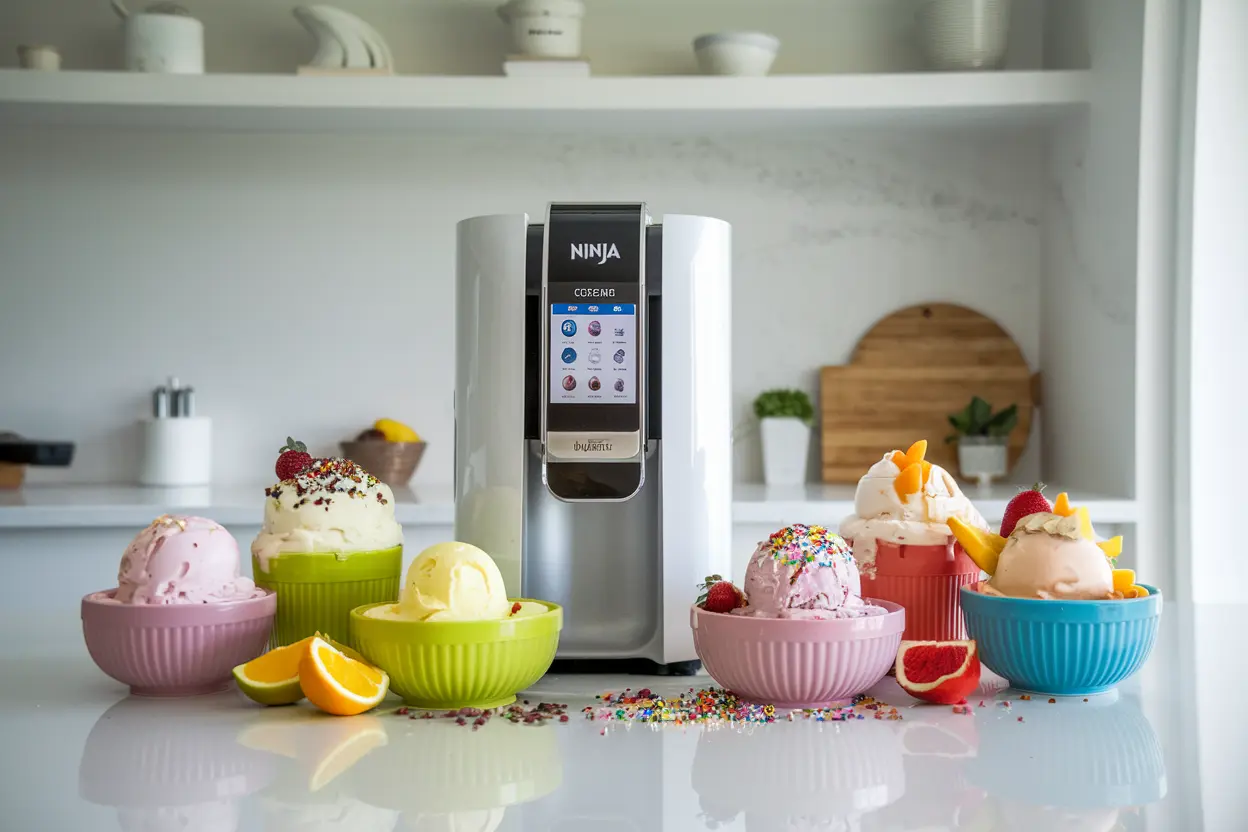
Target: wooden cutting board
907,374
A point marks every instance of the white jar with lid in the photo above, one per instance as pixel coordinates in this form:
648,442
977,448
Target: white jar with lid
545,28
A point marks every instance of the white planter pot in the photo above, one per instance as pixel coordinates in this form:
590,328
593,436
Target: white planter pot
545,28
983,458
786,442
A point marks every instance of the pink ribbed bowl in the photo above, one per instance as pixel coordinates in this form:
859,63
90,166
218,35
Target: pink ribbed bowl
175,649
792,663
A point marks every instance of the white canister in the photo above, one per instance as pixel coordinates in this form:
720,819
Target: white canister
176,451
164,43
545,28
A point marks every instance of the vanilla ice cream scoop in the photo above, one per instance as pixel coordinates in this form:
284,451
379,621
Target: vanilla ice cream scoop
905,499
333,505
182,560
454,582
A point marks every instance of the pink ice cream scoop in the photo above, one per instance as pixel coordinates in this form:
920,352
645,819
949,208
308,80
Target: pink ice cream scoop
804,572
182,560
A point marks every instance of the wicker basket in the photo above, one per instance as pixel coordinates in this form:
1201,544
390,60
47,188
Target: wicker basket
391,462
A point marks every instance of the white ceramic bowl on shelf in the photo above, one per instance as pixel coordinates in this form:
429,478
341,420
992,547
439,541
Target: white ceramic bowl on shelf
736,53
964,34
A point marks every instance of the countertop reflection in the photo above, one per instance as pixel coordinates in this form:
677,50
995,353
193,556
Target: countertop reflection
80,754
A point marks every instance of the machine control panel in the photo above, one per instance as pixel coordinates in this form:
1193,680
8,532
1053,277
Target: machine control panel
594,350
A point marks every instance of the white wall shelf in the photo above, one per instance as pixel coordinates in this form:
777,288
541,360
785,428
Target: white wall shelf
123,506
458,104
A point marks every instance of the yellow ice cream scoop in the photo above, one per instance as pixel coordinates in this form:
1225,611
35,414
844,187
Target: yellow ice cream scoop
452,582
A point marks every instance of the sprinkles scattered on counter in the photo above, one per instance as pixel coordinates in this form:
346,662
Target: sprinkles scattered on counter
476,717
715,706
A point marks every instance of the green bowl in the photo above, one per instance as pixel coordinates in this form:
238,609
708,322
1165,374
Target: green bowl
441,665
316,591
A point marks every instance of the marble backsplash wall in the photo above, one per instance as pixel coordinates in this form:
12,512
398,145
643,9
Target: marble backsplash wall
304,284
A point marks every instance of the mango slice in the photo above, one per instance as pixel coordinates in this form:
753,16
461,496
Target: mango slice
927,471
981,546
899,459
1085,524
1112,547
1140,592
917,451
1061,506
909,481
1124,582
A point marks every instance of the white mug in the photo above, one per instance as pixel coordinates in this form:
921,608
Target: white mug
164,43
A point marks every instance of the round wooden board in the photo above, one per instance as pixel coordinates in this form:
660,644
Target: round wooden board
907,374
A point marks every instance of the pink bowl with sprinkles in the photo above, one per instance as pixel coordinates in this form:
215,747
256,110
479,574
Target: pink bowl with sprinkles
798,663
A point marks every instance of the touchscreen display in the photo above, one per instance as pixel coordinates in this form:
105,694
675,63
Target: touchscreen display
593,353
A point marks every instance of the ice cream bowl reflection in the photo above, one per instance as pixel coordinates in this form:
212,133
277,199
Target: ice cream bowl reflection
1059,647
439,665
798,663
170,764
317,590
175,649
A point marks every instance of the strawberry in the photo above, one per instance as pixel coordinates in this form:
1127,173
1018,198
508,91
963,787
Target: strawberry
292,458
719,595
1024,503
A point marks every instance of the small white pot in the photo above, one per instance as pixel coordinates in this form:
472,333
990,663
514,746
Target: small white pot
736,53
786,441
545,28
164,43
983,458
964,34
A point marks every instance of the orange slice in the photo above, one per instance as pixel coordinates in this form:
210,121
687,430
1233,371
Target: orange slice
337,683
273,679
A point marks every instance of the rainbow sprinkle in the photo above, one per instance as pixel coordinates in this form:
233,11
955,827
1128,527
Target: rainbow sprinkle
799,544
716,706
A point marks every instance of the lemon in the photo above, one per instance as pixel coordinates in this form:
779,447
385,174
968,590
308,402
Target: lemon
396,431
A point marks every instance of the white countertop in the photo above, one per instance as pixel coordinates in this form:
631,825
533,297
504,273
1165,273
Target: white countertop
127,506
1166,752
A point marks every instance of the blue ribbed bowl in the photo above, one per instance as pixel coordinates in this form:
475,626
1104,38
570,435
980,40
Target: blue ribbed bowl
1062,648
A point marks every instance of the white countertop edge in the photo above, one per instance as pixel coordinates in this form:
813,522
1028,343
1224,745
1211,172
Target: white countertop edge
104,506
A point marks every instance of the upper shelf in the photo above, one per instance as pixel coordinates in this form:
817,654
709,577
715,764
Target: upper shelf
545,105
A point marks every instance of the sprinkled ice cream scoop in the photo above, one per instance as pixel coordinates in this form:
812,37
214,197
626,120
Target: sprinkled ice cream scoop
804,572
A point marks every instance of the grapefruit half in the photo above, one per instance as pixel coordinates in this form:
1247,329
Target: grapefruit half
944,672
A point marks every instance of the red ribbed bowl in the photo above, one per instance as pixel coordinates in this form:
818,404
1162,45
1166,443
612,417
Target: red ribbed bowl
175,649
927,581
795,663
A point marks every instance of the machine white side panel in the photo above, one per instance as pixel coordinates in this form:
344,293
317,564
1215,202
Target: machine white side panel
489,388
697,417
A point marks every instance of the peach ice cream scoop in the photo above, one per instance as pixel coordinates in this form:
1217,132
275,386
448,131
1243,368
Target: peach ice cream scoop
1049,556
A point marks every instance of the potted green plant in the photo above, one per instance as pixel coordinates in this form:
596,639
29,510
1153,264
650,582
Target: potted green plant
784,418
983,439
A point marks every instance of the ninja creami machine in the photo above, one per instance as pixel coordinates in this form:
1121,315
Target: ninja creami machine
593,418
